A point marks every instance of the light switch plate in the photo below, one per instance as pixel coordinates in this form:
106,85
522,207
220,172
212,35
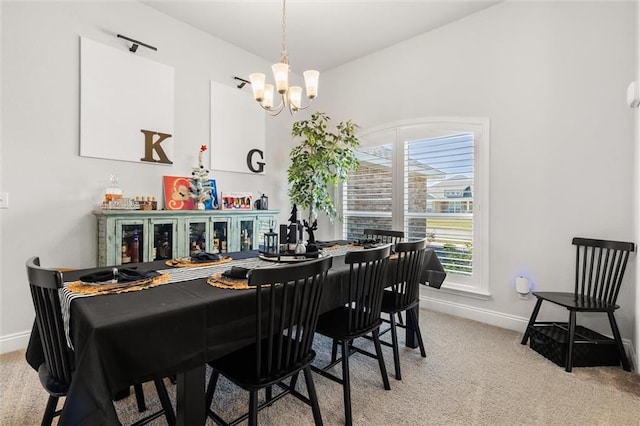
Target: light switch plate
4,200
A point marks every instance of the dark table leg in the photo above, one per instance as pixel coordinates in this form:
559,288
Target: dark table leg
411,340
190,398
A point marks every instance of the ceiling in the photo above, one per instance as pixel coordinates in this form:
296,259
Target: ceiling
320,34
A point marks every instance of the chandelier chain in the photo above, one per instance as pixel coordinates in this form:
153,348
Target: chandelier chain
284,31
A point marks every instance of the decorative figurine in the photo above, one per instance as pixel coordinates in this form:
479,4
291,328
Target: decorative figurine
310,229
199,185
294,214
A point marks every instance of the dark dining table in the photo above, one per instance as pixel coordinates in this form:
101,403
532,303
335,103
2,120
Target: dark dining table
168,330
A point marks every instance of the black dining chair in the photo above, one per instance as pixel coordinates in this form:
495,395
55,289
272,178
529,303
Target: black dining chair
56,372
599,267
357,318
404,295
385,236
287,299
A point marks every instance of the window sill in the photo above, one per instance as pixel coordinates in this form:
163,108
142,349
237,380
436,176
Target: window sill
461,290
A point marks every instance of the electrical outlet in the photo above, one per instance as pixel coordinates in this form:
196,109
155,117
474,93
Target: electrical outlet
4,200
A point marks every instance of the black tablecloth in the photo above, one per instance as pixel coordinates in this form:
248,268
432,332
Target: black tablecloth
128,338
432,275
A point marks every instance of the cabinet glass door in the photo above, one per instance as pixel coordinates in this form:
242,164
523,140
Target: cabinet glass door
265,224
197,237
163,246
246,235
220,232
132,243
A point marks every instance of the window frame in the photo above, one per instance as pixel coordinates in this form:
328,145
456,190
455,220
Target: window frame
476,285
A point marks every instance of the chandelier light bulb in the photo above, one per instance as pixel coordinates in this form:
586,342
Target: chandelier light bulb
295,97
281,77
268,96
257,84
311,78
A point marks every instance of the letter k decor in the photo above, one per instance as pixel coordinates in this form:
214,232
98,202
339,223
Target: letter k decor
151,146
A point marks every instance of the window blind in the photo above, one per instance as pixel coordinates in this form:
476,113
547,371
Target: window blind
367,193
438,197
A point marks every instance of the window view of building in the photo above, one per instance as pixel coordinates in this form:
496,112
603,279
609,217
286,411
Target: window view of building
367,195
438,188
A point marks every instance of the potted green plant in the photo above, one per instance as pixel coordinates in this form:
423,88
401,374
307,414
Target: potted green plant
323,159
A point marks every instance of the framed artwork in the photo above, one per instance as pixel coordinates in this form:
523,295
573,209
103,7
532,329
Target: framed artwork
176,193
237,201
212,203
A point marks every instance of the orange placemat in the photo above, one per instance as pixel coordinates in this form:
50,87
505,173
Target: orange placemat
80,288
186,263
217,280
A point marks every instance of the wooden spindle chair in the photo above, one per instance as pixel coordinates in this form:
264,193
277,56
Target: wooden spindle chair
56,372
404,295
385,236
282,345
599,267
359,317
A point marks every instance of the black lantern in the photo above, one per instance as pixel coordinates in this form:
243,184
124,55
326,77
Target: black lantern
271,242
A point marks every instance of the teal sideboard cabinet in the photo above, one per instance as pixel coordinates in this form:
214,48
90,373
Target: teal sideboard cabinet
130,236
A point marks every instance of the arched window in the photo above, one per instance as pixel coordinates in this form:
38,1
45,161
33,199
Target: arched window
429,178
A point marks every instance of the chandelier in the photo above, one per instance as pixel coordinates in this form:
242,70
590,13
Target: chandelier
291,96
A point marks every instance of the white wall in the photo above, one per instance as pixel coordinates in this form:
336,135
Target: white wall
552,78
1,170
636,190
52,189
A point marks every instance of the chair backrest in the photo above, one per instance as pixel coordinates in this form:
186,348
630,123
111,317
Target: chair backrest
44,284
367,280
406,279
287,302
600,266
384,235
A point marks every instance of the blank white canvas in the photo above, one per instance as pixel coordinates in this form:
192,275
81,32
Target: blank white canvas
237,127
121,94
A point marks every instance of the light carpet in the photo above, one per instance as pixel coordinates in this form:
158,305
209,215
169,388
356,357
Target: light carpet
474,374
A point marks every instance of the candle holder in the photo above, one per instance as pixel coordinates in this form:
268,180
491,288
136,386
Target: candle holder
271,242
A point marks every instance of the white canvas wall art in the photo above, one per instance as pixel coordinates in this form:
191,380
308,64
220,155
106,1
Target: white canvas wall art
126,105
237,131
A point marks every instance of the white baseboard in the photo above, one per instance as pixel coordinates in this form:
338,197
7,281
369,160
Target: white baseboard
500,319
14,342
487,316
631,354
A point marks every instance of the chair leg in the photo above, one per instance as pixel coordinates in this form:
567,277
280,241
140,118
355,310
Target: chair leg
140,397
411,319
532,321
571,337
268,394
383,368
346,383
334,351
211,389
400,318
50,411
618,339
165,401
294,380
313,396
253,408
394,343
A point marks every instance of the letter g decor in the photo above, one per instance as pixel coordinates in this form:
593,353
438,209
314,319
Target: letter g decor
260,164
